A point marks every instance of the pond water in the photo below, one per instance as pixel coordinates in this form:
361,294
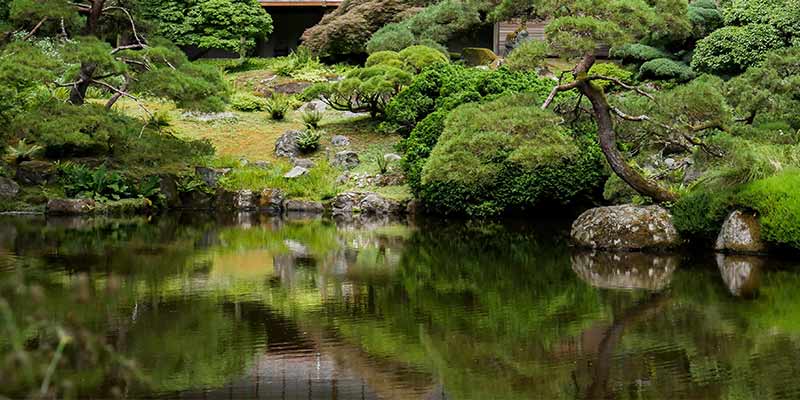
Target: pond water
251,307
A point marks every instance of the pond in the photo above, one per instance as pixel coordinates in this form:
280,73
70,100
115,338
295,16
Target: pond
251,307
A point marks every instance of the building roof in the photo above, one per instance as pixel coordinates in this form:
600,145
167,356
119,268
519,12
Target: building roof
300,3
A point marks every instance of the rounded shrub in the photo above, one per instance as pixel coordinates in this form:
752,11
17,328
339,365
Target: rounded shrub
665,69
636,53
777,200
508,155
476,56
419,57
392,37
247,102
528,55
732,49
384,57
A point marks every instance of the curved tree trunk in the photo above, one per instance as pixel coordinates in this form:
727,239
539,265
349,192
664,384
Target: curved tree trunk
608,138
77,94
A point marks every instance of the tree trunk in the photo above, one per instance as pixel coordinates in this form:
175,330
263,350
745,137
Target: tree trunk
77,95
608,138
93,19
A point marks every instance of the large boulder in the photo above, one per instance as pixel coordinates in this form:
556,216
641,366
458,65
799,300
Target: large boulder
70,206
239,200
625,227
211,175
625,270
741,233
286,145
271,201
8,188
303,207
346,159
36,172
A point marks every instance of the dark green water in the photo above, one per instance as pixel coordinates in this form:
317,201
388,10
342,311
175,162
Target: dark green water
249,307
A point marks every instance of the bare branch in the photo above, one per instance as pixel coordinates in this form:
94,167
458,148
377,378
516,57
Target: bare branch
35,28
627,117
119,93
139,40
123,93
127,47
620,83
559,88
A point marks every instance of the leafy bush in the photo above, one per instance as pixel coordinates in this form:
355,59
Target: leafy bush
416,58
783,15
528,55
22,151
666,69
312,118
508,155
247,102
434,25
308,141
732,49
347,29
362,90
420,110
66,130
705,18
193,86
699,214
277,106
777,200
610,70
636,53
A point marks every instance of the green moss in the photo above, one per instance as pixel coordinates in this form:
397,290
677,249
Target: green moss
474,56
777,200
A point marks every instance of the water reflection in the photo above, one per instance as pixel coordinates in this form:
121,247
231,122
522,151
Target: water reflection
247,306
625,270
741,273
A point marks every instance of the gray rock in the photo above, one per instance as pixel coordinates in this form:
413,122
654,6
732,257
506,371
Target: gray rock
8,188
303,207
303,162
392,157
296,172
340,141
293,87
343,178
211,175
346,159
625,270
262,164
286,145
669,162
314,105
741,274
365,203
70,206
271,201
35,172
240,200
741,233
168,185
625,227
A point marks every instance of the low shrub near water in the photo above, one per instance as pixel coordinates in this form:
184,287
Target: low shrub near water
777,201
508,155
419,111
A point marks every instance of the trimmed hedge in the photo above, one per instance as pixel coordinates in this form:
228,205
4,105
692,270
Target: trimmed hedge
636,53
508,155
733,49
667,70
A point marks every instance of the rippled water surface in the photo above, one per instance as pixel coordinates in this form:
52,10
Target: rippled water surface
251,307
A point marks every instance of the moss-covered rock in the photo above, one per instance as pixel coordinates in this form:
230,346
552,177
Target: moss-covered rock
475,56
625,227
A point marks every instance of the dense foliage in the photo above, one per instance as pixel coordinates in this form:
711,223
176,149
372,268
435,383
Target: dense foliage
346,30
232,25
419,111
433,26
507,155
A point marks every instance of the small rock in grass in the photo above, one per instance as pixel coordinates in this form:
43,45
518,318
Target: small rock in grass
296,172
346,159
286,145
303,162
340,141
